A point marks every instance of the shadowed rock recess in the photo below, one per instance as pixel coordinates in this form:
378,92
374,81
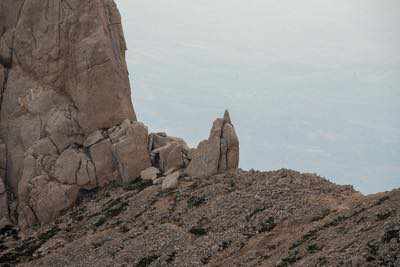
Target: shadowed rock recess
82,182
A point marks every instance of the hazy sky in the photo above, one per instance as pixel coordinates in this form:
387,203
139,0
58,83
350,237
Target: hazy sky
311,85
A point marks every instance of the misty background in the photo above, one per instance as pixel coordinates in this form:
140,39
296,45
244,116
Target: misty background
311,85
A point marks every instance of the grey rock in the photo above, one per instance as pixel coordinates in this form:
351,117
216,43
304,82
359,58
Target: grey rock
158,181
150,173
168,153
49,198
170,181
131,151
93,138
75,168
219,153
101,154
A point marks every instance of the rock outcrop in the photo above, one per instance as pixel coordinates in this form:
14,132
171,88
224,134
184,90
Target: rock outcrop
63,83
168,153
67,123
218,154
130,150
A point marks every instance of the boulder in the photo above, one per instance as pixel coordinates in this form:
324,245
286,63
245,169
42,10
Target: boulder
157,140
219,153
130,151
150,173
101,154
49,198
158,181
73,167
168,153
171,181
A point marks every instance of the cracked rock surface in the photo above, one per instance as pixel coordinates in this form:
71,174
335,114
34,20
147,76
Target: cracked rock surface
63,78
219,153
67,123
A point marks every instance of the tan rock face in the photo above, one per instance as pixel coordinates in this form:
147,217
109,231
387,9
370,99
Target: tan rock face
49,198
219,153
168,153
131,150
150,173
63,81
171,181
101,154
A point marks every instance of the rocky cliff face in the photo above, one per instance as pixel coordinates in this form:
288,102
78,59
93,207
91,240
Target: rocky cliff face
63,77
67,122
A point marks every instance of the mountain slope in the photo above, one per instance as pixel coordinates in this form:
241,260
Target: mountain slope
242,219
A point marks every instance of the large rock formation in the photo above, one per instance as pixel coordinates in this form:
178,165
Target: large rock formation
63,80
67,124
218,154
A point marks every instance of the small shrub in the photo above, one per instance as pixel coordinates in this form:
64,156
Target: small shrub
49,234
114,208
232,183
267,225
195,201
171,257
257,210
99,221
146,261
138,184
115,184
35,226
381,216
337,220
178,196
224,244
292,257
322,261
198,231
296,244
313,248
309,235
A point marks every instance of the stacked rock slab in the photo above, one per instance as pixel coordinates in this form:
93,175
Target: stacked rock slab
168,153
63,85
219,153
